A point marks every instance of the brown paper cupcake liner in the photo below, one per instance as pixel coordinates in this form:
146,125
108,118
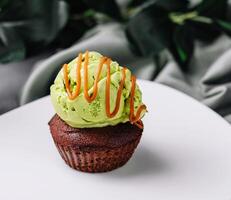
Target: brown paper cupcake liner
88,160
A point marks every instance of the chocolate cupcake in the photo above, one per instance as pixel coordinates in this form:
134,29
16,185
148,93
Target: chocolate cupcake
99,109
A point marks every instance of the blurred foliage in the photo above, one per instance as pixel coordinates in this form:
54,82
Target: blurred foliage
177,27
29,26
152,26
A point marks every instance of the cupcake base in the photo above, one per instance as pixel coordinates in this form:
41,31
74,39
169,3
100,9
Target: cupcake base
95,149
97,161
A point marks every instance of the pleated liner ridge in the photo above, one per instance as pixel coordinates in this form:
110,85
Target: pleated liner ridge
97,160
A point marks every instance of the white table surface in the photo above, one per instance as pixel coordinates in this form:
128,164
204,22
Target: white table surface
184,154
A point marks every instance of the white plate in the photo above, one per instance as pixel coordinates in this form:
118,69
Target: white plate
184,154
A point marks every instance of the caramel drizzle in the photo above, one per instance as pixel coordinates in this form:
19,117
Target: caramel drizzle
134,118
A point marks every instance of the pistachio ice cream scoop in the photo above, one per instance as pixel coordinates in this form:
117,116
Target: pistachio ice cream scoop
80,112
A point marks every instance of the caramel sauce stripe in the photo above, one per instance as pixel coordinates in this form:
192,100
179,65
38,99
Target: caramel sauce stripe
134,118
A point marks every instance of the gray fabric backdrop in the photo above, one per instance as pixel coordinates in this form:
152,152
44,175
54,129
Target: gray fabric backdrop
208,78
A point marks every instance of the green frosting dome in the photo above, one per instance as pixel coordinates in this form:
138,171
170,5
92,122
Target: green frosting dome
81,114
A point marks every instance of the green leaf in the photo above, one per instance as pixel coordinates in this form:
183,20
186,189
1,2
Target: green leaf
150,30
108,7
33,23
182,46
36,20
135,3
81,18
160,61
212,8
223,26
3,3
173,5
200,31
11,45
74,29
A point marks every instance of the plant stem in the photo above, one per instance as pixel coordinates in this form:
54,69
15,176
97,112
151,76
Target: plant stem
180,18
202,19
